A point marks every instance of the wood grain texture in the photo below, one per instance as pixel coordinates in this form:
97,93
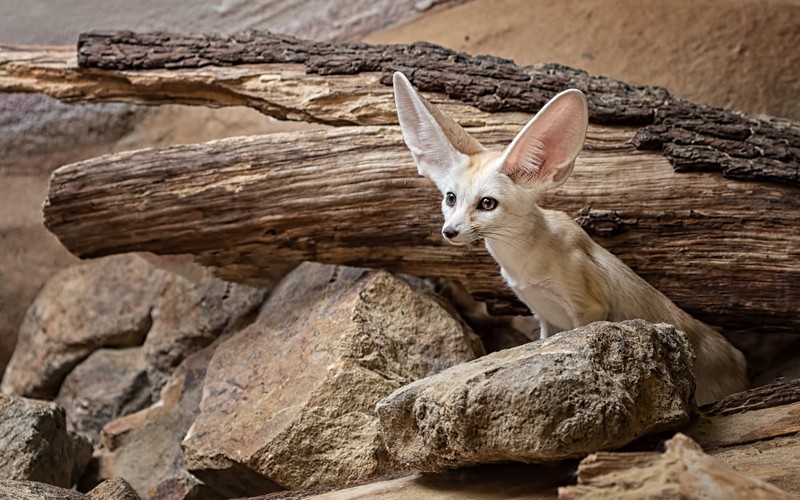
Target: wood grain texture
341,84
255,206
683,470
775,460
692,136
760,414
721,431
767,396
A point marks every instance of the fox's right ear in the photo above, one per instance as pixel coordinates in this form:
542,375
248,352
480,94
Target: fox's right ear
436,141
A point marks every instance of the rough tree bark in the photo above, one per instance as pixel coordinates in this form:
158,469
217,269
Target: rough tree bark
725,250
694,137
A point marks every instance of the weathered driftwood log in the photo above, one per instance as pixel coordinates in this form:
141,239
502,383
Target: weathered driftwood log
725,250
294,79
693,137
350,195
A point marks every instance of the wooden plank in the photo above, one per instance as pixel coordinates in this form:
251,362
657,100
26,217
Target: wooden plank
776,461
720,431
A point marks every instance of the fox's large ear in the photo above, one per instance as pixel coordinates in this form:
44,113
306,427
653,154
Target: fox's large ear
543,153
436,141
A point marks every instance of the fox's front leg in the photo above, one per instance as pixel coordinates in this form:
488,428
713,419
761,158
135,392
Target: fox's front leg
545,328
595,311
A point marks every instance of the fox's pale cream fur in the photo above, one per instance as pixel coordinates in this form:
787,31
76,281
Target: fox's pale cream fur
552,265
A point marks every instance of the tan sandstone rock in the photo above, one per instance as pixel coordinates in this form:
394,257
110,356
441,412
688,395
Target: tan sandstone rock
594,388
190,315
105,302
113,489
290,399
12,489
110,383
144,447
35,444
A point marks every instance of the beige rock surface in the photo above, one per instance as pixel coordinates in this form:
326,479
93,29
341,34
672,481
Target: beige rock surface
105,302
108,384
144,447
739,54
113,489
291,397
36,445
597,387
190,315
13,489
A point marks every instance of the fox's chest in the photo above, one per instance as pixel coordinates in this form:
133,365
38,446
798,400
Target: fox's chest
545,303
531,288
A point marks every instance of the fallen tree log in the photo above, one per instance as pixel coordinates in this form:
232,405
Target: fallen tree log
724,250
292,79
254,206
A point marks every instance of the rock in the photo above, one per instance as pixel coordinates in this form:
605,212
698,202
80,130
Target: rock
113,489
36,445
291,397
191,315
182,487
110,383
682,471
593,388
144,447
11,489
105,302
119,302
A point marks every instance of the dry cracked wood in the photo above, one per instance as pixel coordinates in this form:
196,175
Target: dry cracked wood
350,195
682,471
725,250
759,414
250,69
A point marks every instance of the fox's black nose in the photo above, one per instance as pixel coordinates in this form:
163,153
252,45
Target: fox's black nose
449,233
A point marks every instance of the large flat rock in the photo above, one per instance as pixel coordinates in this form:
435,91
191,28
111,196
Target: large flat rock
597,387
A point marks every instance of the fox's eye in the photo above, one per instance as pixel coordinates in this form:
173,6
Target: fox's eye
450,199
487,203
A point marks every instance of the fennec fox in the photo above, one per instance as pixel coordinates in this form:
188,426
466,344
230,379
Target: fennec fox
552,265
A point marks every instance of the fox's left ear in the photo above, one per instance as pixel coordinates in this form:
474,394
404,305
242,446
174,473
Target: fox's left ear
543,153
436,141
